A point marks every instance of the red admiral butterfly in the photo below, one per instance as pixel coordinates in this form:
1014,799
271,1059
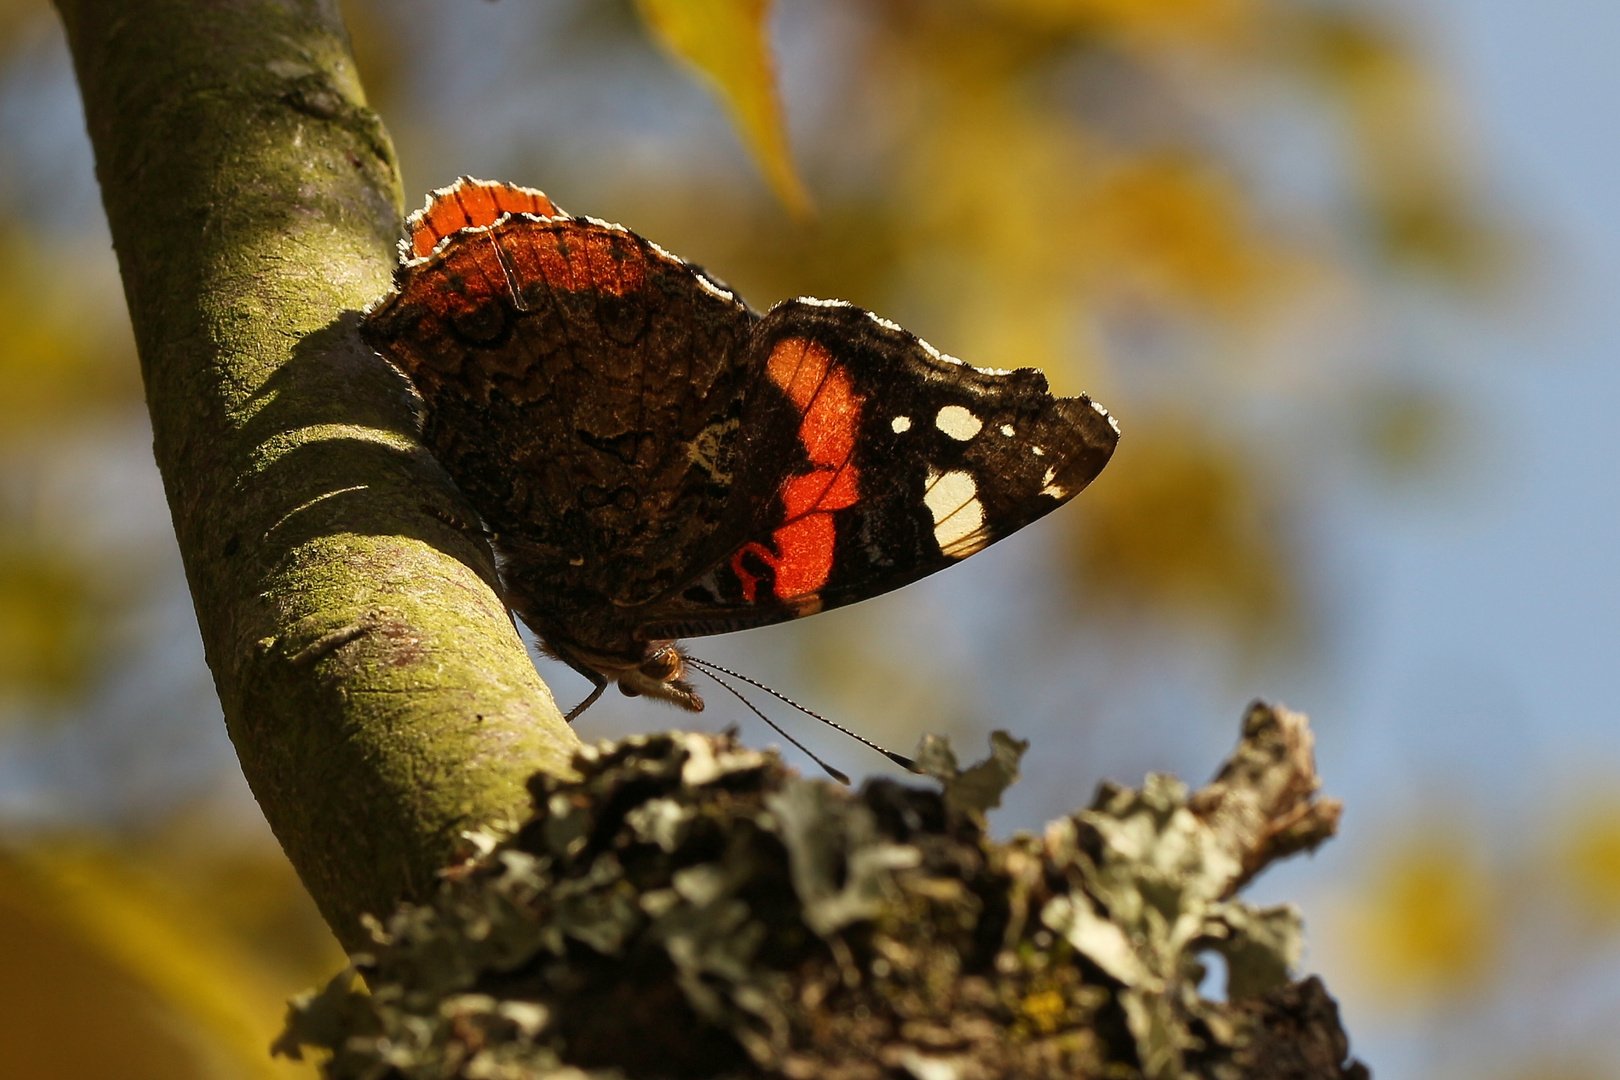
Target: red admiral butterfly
655,460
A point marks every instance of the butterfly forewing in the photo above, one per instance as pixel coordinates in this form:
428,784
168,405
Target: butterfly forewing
873,460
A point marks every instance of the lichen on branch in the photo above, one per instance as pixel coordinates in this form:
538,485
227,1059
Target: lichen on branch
691,908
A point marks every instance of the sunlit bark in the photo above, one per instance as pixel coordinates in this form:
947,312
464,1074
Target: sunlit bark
376,691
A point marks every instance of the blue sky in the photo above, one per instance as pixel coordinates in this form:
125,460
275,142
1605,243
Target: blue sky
1482,660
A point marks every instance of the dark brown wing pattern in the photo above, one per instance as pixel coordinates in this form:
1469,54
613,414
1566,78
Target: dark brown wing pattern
584,389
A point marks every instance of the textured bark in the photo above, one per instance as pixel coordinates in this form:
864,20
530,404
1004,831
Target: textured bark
375,689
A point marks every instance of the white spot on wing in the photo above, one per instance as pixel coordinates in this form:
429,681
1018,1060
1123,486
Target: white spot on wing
1037,451
953,499
958,423
900,424
1007,430
1052,489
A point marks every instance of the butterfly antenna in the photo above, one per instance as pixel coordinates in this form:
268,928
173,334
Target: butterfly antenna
899,759
832,772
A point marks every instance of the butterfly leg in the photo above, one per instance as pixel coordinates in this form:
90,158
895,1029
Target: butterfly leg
558,650
601,682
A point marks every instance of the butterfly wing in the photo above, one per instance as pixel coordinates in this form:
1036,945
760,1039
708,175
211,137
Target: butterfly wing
657,461
584,389
872,460
468,204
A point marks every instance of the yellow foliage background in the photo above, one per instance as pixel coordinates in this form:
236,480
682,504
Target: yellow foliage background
1087,186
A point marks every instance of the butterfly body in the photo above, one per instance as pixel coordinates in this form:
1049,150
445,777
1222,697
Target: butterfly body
656,460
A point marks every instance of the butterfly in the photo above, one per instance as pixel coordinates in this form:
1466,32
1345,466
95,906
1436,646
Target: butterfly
655,460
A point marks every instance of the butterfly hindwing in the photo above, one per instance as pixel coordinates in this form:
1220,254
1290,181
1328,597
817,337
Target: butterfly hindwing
584,389
873,460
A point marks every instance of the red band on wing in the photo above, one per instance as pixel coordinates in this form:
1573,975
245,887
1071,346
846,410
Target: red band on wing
823,392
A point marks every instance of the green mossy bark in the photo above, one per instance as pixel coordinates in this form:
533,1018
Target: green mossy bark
375,689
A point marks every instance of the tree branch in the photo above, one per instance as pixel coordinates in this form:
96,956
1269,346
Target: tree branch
373,684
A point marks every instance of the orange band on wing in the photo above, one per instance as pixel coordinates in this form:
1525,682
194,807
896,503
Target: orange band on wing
586,259
798,367
470,203
825,395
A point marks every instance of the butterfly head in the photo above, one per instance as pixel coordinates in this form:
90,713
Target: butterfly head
655,669
661,676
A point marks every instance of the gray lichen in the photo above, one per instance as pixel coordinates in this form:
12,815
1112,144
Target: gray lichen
691,908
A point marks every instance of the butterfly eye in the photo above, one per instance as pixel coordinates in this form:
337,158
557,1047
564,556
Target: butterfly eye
662,665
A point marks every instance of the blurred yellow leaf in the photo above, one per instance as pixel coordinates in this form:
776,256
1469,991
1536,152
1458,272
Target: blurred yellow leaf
1409,156
1174,228
1592,860
378,51
48,622
249,887
56,989
1021,219
58,356
1429,923
1149,21
211,1011
15,17
1179,523
990,209
728,42
1406,429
